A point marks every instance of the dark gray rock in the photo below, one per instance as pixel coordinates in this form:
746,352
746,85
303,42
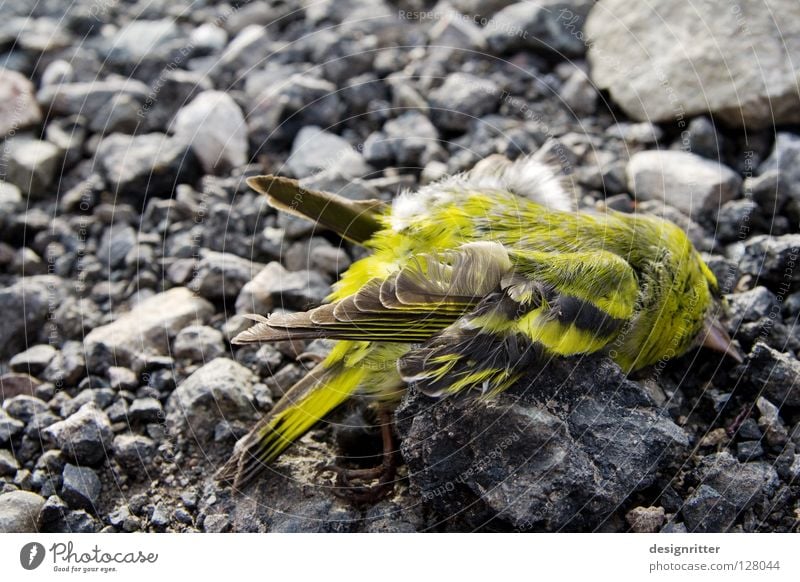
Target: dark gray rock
121,378
554,26
770,421
741,484
26,306
220,389
8,464
772,259
84,437
9,427
144,410
413,138
80,487
702,138
561,453
198,343
461,100
89,98
283,109
707,511
784,161
246,50
32,165
134,452
751,305
144,331
221,275
34,360
116,243
694,185
774,374
274,287
54,509
315,150
749,451
214,125
18,107
24,407
19,512
150,164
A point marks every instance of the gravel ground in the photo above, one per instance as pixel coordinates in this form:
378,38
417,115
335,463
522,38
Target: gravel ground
130,247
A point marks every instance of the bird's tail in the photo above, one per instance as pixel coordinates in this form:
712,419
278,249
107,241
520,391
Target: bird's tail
324,388
355,220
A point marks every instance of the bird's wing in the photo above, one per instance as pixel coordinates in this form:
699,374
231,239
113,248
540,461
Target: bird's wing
549,304
411,305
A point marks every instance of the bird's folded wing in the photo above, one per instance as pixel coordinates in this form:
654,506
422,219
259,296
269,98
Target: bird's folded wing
411,305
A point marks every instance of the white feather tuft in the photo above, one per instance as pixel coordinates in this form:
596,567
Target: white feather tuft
525,177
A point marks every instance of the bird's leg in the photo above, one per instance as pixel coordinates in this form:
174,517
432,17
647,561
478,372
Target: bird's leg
358,485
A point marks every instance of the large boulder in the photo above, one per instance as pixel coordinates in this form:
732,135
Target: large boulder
666,61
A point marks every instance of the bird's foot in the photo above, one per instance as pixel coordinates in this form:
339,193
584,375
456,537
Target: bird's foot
367,485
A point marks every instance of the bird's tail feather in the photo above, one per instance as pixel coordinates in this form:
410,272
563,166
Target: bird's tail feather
310,399
355,220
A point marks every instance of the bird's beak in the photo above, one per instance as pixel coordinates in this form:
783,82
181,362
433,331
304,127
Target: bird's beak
716,338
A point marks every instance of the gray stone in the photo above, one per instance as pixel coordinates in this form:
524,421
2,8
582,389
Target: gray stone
413,138
19,512
34,360
80,487
579,94
9,427
116,243
775,433
315,150
711,60
141,40
68,367
87,99
58,72
8,464
563,455
222,389
32,165
120,378
198,343
554,26
221,275
175,88
461,100
150,164
122,115
707,511
146,329
24,407
784,161
772,259
741,484
751,305
54,509
134,451
145,410
214,125
280,111
692,184
246,50
274,286
84,437
18,107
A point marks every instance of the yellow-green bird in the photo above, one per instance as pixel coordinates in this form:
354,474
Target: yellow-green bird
470,283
